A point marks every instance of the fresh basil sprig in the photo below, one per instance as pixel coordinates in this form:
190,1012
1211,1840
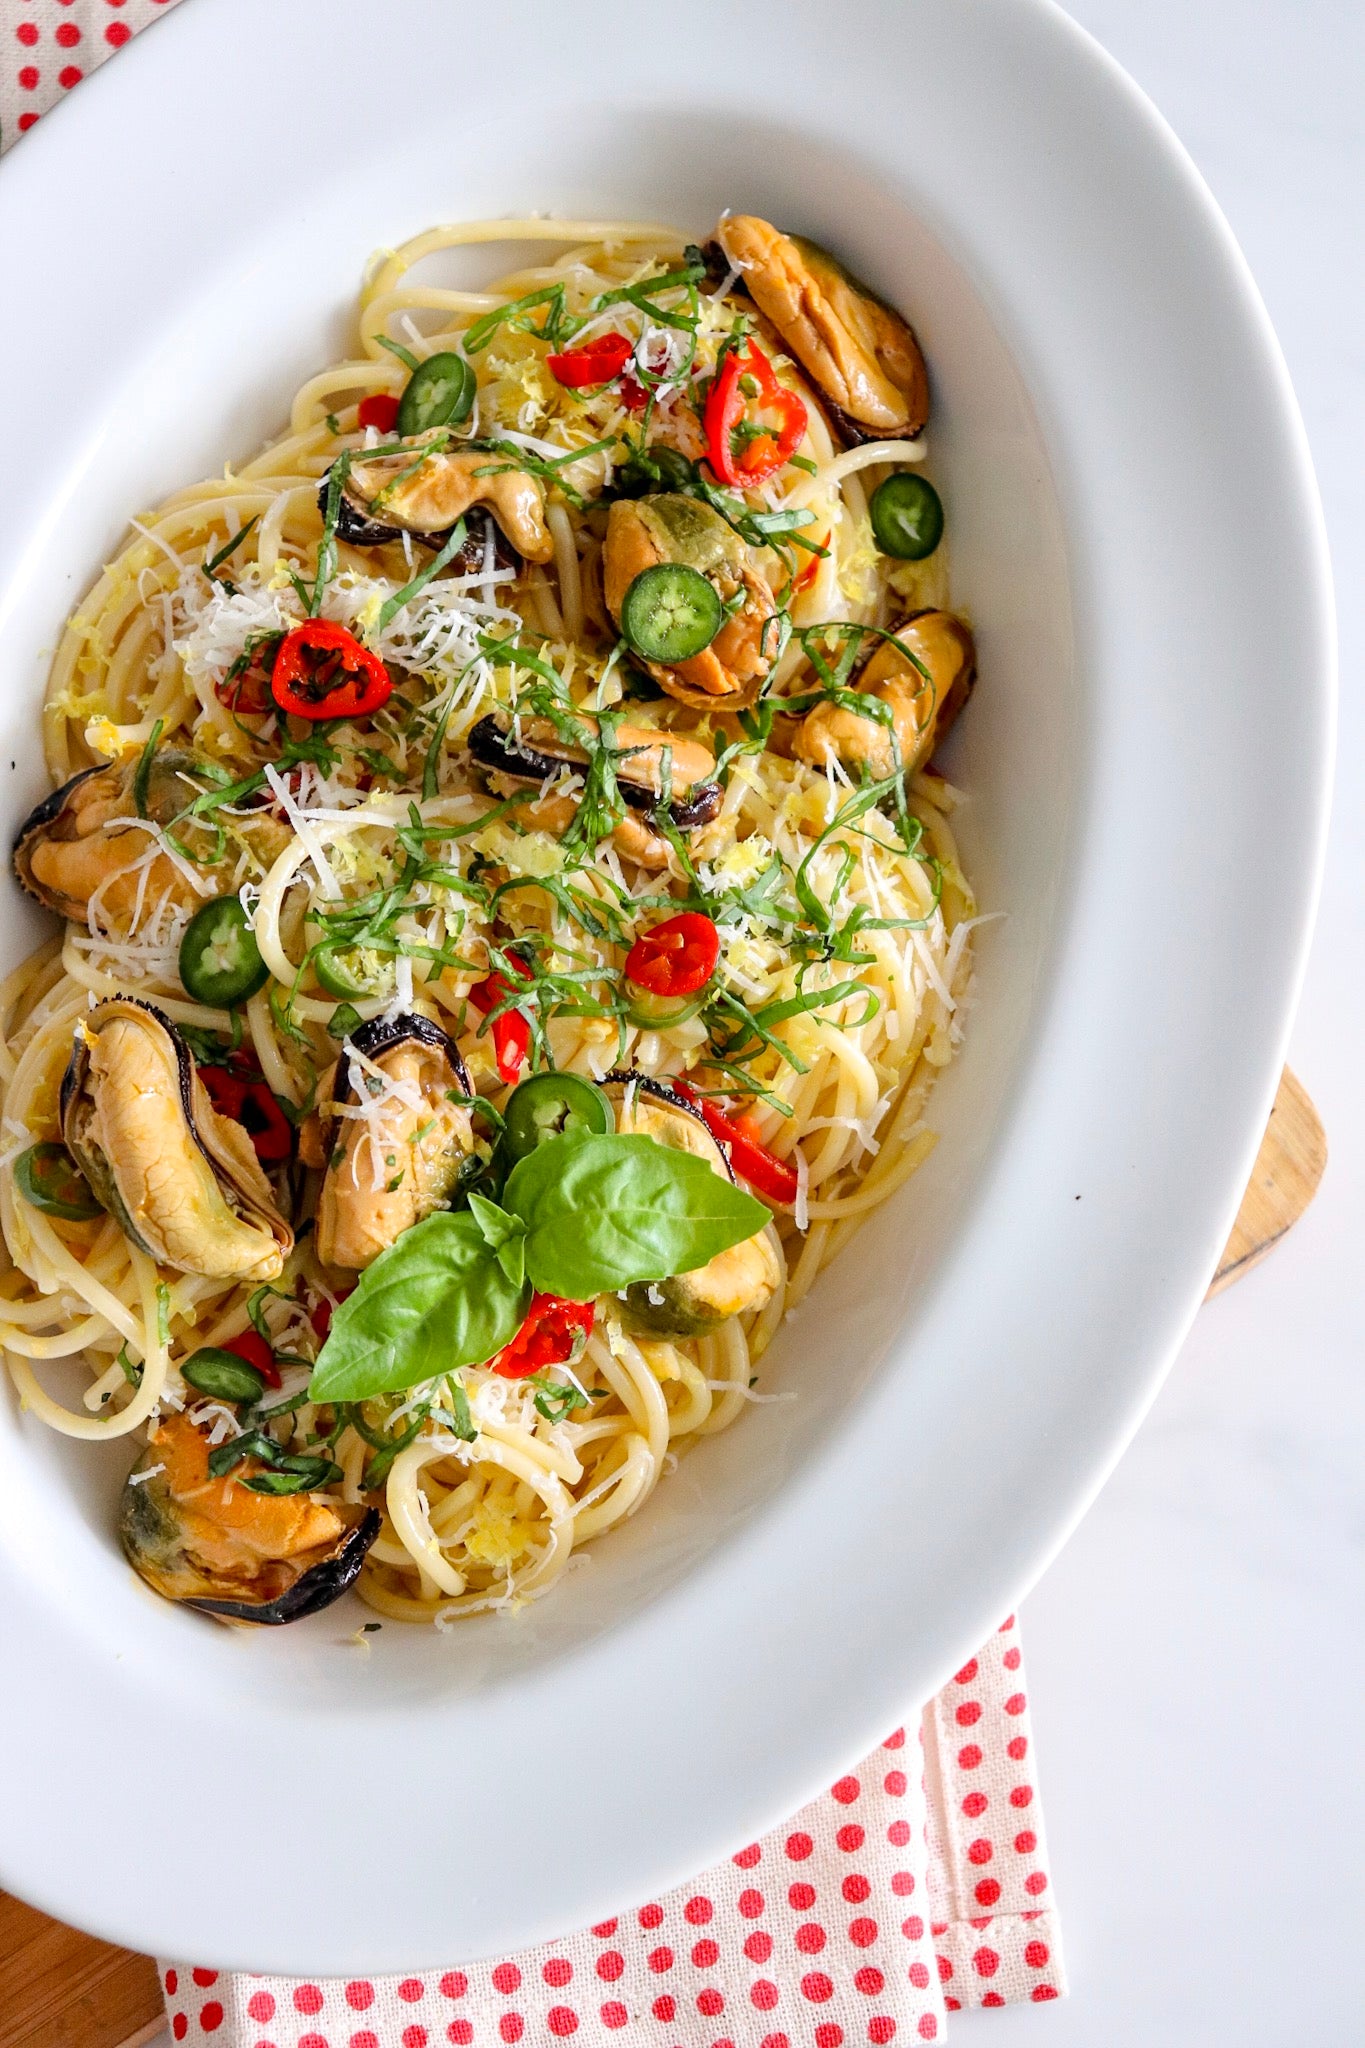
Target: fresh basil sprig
579,1217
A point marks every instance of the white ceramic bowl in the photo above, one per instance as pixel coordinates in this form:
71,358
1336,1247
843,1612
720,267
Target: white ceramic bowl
1136,533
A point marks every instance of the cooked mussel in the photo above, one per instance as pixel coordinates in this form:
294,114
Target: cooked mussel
735,1281
469,560
424,495
88,840
234,1553
669,526
183,1181
923,701
859,352
527,757
396,1137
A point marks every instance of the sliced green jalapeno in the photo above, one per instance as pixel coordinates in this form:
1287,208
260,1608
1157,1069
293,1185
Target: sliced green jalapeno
670,612
439,393
220,962
907,517
222,1375
552,1106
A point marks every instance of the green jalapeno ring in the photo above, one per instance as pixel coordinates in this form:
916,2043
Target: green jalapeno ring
439,393
670,613
220,962
907,516
554,1106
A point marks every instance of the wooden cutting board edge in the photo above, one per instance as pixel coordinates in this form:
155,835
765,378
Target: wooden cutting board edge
61,1989
1284,1180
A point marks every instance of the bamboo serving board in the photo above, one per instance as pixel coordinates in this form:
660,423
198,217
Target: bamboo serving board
60,1989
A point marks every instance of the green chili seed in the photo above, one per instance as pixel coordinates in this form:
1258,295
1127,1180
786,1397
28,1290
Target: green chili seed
220,962
439,393
907,517
50,1181
670,613
223,1375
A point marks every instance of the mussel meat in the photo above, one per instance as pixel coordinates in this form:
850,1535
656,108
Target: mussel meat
396,1137
669,526
743,1278
184,1182
861,354
923,702
424,496
85,845
528,757
217,1545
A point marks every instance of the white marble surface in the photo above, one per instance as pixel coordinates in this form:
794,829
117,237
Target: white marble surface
1197,1653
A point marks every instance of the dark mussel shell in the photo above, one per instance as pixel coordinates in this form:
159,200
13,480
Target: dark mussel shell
496,749
40,817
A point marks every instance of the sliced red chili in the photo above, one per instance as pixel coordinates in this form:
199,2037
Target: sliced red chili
767,1175
246,686
379,410
753,423
511,1031
635,392
322,671
249,1102
677,957
554,1331
594,362
252,1348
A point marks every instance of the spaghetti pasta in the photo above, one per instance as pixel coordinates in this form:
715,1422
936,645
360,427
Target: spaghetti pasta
388,868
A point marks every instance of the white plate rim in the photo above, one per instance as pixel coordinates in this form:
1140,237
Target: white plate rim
744,1801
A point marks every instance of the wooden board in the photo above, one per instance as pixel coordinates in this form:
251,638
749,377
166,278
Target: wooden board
60,1989
1283,1182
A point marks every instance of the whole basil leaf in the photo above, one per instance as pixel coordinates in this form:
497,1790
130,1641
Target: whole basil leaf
603,1212
437,1299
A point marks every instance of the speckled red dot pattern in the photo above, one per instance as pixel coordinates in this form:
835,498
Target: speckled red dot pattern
916,1887
48,46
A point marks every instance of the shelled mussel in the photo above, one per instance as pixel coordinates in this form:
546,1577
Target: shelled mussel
183,1182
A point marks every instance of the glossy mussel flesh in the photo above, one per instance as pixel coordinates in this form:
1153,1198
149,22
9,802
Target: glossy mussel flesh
530,758
858,351
218,1545
88,838
423,495
396,1136
183,1181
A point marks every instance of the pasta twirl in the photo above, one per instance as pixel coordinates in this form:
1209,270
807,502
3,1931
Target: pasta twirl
559,620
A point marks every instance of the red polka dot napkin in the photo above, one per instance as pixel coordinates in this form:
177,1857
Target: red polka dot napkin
47,46
917,1886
